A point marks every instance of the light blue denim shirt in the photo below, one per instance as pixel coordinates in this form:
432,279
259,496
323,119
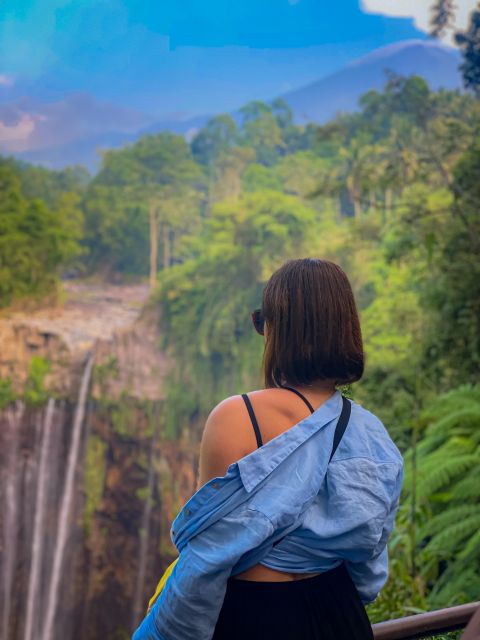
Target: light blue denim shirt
342,511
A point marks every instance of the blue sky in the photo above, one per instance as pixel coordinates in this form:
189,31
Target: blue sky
71,70
182,56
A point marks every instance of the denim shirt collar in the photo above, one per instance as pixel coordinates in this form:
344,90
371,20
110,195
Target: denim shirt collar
258,464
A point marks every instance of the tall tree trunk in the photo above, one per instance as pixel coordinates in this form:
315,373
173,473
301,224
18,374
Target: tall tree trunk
166,246
356,208
388,200
354,195
173,246
373,200
153,246
338,209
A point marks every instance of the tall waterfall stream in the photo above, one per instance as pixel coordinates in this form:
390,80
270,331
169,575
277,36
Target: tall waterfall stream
88,484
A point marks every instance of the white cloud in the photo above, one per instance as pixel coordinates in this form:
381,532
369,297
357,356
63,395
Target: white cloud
5,80
419,10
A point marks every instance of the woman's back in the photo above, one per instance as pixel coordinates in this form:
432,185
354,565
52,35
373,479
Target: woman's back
274,412
328,516
344,507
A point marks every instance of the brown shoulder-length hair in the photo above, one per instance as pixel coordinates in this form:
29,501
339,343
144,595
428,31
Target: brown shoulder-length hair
313,331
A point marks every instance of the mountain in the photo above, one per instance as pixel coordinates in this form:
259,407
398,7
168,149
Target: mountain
317,102
87,150
339,92
30,126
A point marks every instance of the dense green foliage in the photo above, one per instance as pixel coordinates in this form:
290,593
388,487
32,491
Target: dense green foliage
443,485
143,193
36,240
53,187
434,550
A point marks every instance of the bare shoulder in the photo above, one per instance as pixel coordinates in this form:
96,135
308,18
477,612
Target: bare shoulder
228,434
228,408
226,421
225,438
231,415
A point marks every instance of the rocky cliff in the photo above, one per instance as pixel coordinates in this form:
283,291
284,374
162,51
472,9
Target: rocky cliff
89,483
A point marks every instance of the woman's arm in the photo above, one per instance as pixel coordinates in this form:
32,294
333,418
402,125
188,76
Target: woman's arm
370,576
189,604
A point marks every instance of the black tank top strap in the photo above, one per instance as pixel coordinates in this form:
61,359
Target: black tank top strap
300,395
253,418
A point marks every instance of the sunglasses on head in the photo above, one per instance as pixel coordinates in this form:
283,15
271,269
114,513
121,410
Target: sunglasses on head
258,321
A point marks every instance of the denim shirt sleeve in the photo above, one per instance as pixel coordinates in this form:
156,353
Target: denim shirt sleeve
189,604
370,575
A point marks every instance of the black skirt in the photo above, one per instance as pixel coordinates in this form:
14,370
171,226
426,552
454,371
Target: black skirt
324,607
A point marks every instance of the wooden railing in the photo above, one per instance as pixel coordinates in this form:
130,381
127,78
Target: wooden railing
425,625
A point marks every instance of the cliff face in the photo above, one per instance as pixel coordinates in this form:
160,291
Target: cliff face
89,484
111,320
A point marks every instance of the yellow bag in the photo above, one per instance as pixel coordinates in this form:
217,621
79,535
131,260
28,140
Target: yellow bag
161,584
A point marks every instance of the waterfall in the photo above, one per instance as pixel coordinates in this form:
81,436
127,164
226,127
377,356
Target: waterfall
66,503
29,476
138,613
10,522
57,574
38,525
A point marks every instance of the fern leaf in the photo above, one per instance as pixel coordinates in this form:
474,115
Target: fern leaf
468,488
446,542
448,518
471,550
445,474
